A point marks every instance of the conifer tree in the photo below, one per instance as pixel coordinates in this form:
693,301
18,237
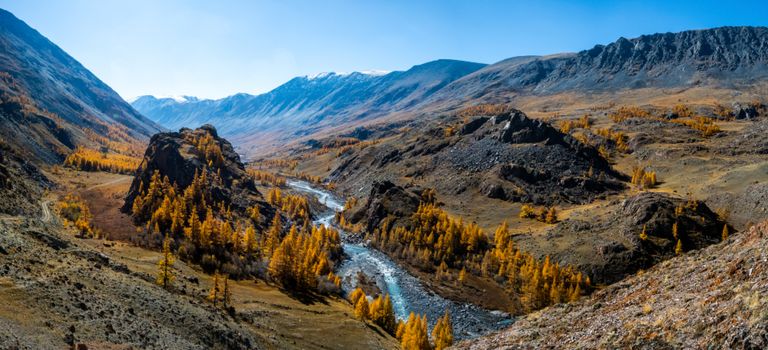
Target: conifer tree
551,216
215,293
415,335
400,332
442,334
674,230
575,294
361,308
356,295
679,247
165,274
226,293
725,232
382,313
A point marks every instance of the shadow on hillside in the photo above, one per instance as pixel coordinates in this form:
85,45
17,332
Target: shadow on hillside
306,298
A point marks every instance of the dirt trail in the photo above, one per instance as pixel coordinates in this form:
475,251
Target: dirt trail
46,212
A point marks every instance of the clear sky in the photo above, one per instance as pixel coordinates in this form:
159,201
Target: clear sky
217,48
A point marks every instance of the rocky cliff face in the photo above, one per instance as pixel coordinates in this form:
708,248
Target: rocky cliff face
709,299
726,56
178,156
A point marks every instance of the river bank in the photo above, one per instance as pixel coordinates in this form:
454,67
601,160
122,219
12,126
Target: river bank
407,292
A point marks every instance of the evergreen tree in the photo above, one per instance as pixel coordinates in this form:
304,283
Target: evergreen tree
165,275
214,295
361,308
725,232
442,334
643,235
226,293
415,334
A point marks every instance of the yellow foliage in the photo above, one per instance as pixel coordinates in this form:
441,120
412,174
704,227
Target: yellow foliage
626,112
543,214
442,334
642,178
414,335
643,235
682,111
361,308
583,122
302,258
437,242
87,159
382,313
165,275
267,178
75,211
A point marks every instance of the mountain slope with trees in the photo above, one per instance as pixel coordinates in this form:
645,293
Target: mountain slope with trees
50,103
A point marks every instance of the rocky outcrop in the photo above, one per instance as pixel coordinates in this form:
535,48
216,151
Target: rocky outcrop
528,160
609,247
708,299
386,200
175,155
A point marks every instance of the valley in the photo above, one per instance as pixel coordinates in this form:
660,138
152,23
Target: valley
613,197
408,295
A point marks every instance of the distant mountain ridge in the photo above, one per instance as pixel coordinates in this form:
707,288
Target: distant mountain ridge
49,99
719,56
725,56
306,104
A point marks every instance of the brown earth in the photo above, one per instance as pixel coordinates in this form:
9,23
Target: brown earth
714,298
59,290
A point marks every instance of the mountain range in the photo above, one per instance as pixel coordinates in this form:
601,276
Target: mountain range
723,58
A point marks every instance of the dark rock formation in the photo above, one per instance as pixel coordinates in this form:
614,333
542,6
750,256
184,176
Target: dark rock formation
528,160
609,247
386,200
174,155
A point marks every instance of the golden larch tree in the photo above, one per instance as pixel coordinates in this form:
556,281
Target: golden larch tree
165,275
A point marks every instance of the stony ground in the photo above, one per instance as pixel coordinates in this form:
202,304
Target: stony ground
714,298
58,291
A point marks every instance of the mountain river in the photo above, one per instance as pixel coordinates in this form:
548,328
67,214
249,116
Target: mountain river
407,292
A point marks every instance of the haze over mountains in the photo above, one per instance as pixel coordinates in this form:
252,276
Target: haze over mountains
721,58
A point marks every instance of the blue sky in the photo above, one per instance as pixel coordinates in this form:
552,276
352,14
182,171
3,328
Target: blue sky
217,48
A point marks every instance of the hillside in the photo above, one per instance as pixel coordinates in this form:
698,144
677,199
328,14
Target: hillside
719,61
51,103
725,57
307,105
712,298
